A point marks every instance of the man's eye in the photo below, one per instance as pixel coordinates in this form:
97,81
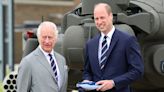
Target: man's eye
44,37
50,37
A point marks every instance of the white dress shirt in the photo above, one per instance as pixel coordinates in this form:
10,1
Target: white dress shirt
48,59
109,37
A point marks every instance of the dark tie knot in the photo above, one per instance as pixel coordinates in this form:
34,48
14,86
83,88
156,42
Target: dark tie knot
105,37
50,55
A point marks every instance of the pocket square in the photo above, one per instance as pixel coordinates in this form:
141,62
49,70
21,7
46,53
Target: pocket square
66,67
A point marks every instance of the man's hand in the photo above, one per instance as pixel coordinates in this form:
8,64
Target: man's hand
105,85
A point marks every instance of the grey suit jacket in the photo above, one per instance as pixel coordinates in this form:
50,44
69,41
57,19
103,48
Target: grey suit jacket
35,73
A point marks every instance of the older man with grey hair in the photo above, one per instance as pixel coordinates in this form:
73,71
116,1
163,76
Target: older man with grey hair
43,70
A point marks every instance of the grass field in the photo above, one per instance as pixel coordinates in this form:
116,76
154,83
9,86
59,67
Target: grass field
1,87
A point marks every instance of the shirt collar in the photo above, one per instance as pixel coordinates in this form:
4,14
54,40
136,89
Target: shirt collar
110,33
45,53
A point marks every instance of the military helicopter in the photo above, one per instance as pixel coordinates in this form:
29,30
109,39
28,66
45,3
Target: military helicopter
141,18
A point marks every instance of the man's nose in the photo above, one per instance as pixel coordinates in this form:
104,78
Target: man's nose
98,21
47,39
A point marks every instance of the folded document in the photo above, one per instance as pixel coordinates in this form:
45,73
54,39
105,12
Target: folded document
87,85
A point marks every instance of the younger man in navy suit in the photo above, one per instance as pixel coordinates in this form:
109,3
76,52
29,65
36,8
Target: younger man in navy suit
112,58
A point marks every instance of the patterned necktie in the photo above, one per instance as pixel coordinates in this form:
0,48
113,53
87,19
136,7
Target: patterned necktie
103,53
53,66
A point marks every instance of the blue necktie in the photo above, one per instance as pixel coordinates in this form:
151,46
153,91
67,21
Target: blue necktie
103,52
53,66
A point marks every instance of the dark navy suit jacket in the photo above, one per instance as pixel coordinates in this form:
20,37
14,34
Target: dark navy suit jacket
124,63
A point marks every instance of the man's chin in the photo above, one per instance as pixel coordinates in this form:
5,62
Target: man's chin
47,50
102,30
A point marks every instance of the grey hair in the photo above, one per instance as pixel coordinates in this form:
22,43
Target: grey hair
45,23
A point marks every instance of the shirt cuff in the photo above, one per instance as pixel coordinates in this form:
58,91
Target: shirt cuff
113,83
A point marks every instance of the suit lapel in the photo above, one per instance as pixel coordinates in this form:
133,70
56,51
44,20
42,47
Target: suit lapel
43,61
95,50
60,67
114,40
